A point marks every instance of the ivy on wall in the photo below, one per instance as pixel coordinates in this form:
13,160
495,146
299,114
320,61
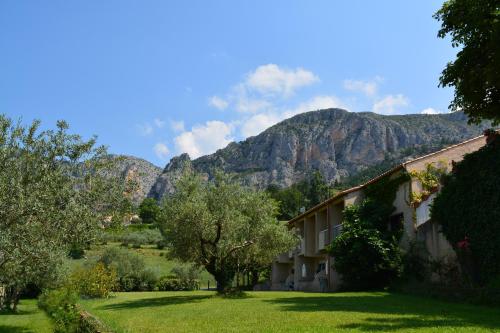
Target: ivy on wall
430,180
468,209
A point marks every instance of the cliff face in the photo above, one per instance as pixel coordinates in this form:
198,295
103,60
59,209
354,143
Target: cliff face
335,142
141,172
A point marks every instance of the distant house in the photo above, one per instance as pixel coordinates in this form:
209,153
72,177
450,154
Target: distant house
309,268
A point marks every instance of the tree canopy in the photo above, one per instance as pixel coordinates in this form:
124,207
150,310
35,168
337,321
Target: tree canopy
149,210
310,191
219,225
52,195
475,73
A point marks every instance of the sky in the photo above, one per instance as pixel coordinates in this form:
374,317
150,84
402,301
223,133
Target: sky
155,79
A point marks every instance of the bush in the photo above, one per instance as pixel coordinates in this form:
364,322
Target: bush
60,305
416,264
468,209
96,281
130,268
76,251
184,277
172,283
366,253
90,324
186,272
138,238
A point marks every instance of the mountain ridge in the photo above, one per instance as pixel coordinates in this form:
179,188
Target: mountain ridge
335,142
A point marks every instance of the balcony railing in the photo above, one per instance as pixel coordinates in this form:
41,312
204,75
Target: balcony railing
337,230
322,239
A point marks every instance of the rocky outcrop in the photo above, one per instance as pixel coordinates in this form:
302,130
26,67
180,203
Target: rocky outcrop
335,142
141,173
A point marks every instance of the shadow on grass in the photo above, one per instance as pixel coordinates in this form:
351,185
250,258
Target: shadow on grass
21,312
155,302
413,312
14,329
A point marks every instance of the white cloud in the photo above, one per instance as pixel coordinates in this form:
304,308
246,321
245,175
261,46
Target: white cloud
367,87
258,123
390,104
218,102
177,126
316,103
161,150
145,129
430,111
261,121
159,123
249,105
204,139
272,80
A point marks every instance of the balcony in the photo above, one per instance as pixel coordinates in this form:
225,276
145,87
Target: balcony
337,230
322,239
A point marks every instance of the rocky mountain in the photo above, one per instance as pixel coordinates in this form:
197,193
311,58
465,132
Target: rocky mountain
141,172
335,142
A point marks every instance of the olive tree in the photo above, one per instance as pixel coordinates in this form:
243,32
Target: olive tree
218,224
52,196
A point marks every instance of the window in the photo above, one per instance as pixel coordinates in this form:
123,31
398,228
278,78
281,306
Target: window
396,222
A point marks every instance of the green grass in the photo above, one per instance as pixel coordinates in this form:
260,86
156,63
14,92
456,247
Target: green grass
152,257
202,311
28,319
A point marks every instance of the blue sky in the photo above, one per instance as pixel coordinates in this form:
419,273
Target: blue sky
157,78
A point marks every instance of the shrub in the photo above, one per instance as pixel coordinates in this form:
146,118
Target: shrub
60,305
90,324
138,238
468,210
97,281
364,259
160,245
172,283
76,251
130,268
416,264
367,253
186,272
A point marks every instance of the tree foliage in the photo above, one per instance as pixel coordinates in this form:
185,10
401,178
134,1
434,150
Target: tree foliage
149,210
367,252
468,209
475,73
220,224
307,193
52,195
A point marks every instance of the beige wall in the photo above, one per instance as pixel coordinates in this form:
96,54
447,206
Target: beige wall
455,153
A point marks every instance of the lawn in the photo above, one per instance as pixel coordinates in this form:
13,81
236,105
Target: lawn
28,319
202,311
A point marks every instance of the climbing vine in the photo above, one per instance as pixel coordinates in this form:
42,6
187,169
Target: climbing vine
430,180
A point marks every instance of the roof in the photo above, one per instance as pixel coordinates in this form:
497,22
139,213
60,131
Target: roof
373,180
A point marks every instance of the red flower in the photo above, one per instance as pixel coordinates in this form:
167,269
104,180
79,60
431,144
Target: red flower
463,244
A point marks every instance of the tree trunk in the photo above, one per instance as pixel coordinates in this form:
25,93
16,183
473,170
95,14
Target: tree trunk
255,277
224,280
11,298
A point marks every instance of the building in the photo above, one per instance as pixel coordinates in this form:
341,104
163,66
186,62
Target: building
309,268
